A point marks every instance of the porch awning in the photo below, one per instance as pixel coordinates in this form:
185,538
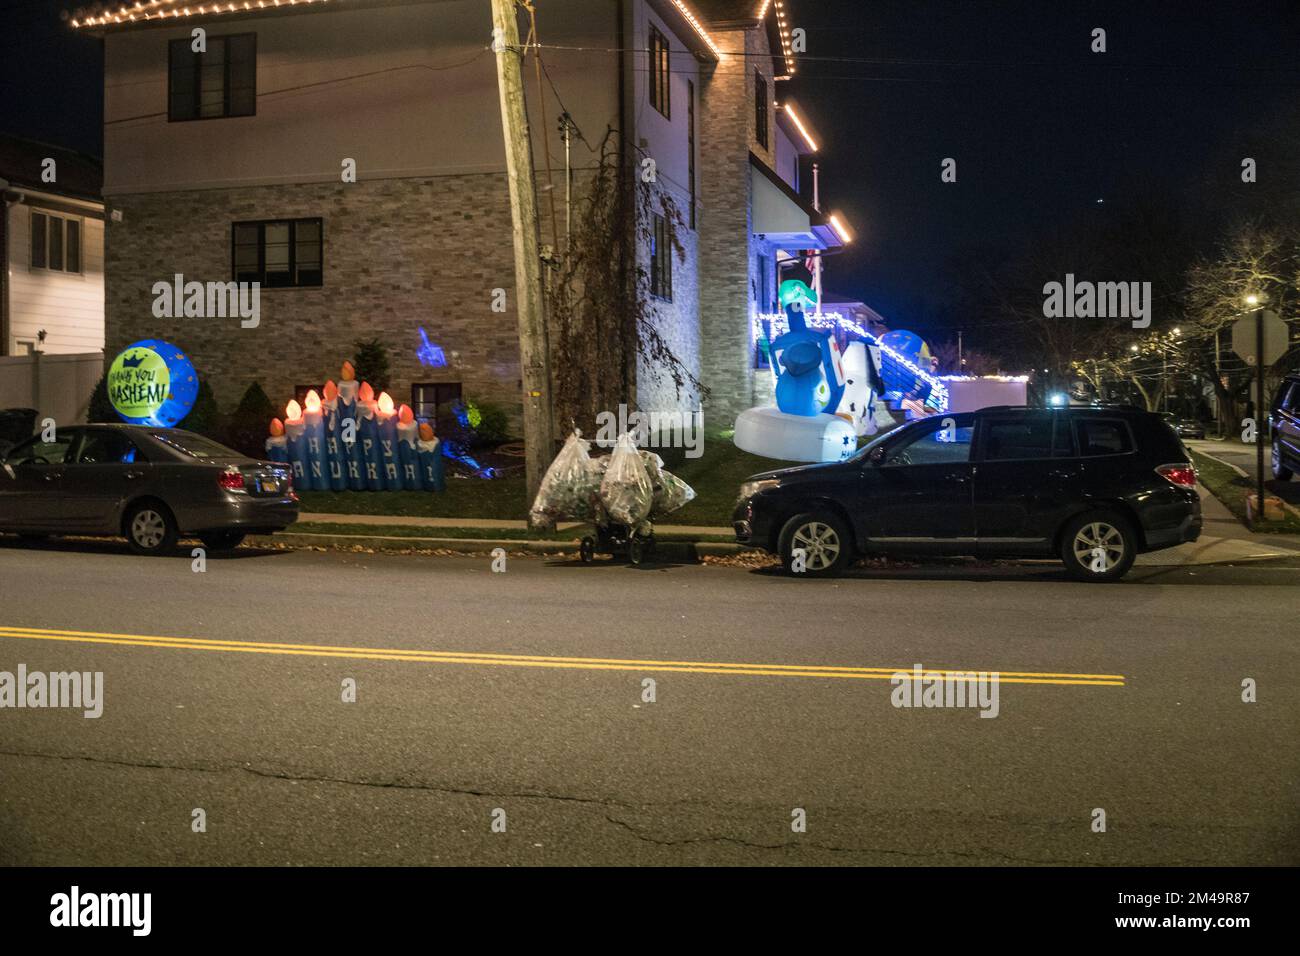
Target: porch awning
782,217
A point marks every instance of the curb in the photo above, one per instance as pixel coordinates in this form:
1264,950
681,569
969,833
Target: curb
680,551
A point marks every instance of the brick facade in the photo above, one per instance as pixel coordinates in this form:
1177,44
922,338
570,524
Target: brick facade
728,250
399,254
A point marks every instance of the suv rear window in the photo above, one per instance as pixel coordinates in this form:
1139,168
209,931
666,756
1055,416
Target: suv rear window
1103,437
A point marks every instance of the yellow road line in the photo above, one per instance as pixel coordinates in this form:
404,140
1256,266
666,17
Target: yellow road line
528,660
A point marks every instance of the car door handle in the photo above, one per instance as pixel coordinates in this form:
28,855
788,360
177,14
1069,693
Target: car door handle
52,476
135,474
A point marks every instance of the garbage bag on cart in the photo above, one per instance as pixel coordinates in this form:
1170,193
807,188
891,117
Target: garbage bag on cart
569,485
670,492
625,490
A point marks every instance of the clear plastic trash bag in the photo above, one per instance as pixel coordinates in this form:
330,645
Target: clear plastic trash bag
625,490
568,485
669,491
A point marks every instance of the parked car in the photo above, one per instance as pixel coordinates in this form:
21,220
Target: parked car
150,485
1285,427
1092,486
1185,427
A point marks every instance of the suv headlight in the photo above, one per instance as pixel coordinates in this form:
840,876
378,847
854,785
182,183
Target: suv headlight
751,488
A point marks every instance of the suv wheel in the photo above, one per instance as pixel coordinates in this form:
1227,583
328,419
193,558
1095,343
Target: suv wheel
1098,546
150,529
1280,471
823,540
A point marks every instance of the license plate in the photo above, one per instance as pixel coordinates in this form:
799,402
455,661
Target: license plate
268,485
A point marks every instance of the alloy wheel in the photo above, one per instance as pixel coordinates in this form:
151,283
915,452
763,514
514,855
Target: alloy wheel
820,543
1099,547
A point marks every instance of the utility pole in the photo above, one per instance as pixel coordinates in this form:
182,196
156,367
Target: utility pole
533,359
961,365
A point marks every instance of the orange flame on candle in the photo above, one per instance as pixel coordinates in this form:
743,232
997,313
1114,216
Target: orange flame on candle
277,429
292,411
426,431
348,373
405,415
366,393
331,391
385,403
313,401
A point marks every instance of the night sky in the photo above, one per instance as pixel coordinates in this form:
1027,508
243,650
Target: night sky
1041,127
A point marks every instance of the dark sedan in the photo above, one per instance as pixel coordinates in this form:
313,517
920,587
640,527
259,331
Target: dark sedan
150,485
1185,427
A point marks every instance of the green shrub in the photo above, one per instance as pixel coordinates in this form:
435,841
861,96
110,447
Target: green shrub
494,424
371,364
246,429
205,417
101,409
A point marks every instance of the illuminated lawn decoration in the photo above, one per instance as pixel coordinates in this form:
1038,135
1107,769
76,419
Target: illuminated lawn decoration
777,323
152,382
811,381
351,439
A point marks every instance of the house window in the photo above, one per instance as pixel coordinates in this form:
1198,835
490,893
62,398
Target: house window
219,82
433,401
661,259
760,109
659,72
56,243
278,253
690,144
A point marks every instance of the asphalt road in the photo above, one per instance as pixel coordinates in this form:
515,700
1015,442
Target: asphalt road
747,726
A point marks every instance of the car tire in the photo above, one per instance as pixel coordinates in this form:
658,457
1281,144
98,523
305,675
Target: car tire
824,539
1083,536
222,540
1280,471
150,528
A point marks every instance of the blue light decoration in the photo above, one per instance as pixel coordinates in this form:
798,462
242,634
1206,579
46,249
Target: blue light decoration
152,382
430,353
775,323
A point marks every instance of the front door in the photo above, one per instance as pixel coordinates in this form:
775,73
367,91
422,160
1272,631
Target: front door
919,495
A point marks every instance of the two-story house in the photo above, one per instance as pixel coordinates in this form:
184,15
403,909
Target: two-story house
348,156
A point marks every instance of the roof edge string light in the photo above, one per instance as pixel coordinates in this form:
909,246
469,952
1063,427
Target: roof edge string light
695,22
145,10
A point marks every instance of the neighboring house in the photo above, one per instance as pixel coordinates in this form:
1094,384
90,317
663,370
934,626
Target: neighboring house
52,248
227,165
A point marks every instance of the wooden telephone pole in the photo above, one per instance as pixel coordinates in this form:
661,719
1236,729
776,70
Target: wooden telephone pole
533,358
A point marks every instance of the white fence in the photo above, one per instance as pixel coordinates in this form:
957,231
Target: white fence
57,386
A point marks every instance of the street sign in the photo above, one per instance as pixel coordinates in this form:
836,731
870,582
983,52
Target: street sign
1245,338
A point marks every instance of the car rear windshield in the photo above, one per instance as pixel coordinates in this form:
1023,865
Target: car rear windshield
195,446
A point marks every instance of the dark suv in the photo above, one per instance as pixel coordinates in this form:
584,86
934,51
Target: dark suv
1286,428
1093,486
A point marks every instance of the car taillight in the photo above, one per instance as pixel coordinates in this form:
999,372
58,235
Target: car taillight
1183,475
232,479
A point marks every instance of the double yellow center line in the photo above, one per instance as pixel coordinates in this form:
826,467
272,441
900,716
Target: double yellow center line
413,655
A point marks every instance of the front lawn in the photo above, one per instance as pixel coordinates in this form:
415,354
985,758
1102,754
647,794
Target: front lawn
715,476
1231,488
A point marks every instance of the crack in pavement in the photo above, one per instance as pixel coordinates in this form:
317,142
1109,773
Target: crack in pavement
637,833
